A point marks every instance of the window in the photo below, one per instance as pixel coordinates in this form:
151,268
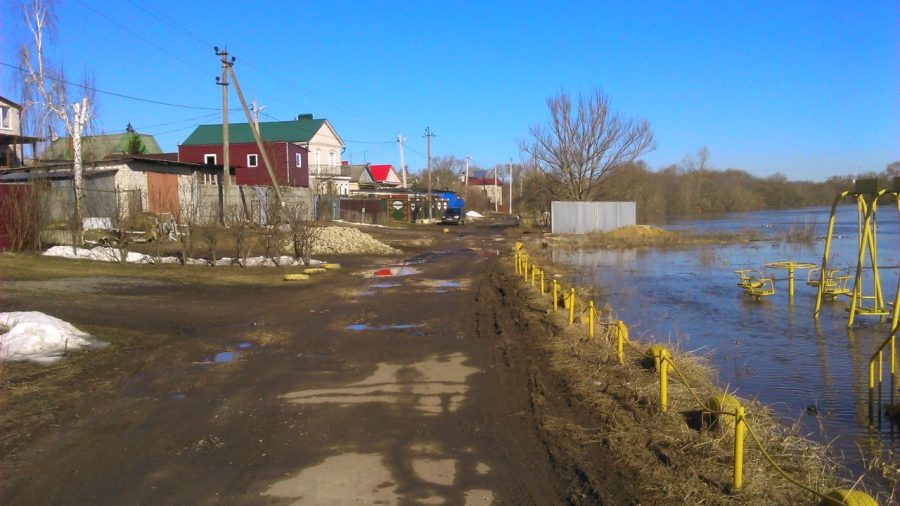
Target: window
298,160
331,158
4,117
251,160
209,159
209,177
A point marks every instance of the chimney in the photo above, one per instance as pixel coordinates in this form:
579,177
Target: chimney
305,116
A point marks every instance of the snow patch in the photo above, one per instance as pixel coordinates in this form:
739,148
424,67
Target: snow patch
474,214
40,337
107,254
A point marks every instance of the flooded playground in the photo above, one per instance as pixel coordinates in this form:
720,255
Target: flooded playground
812,372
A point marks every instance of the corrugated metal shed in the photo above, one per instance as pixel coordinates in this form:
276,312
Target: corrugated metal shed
587,217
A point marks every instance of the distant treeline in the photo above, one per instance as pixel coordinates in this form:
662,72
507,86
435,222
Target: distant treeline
678,190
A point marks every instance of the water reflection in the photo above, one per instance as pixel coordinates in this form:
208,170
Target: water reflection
772,349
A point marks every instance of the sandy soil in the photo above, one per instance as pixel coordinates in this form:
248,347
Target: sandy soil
415,389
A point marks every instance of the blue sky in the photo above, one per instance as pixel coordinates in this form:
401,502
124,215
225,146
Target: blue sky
807,89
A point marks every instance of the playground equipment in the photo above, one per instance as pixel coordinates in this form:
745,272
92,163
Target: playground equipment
866,194
755,283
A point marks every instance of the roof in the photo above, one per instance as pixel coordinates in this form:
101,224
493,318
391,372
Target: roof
380,172
97,147
299,130
10,102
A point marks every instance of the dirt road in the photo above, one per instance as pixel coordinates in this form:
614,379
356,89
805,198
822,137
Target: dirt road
405,386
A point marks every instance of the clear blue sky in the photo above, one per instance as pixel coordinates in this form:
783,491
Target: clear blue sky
808,89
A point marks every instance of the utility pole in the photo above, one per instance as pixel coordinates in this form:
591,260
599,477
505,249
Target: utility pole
466,179
400,140
510,185
259,142
256,110
496,193
226,159
428,135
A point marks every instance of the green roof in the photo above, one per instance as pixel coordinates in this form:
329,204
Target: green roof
300,130
97,147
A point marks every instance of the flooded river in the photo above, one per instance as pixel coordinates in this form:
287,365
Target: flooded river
811,373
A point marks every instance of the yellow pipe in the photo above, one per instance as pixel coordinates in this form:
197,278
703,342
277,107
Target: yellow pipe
828,238
863,241
664,380
516,261
571,306
591,324
873,255
621,337
542,282
738,480
533,274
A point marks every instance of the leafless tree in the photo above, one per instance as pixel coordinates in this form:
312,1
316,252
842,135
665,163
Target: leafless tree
24,213
190,203
44,92
301,229
272,234
583,143
239,229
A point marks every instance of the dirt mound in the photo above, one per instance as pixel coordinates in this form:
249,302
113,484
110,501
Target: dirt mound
346,240
638,231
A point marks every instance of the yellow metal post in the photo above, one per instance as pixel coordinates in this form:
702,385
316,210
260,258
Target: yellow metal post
738,479
663,380
533,274
555,295
571,306
621,337
591,320
525,265
828,238
863,243
516,261
542,282
791,281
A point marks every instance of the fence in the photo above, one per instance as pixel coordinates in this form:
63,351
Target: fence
719,405
587,217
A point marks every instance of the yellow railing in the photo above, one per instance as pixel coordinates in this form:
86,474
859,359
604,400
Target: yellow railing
719,405
878,360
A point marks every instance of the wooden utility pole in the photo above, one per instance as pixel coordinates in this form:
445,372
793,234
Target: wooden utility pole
256,110
259,142
466,180
226,159
428,135
400,140
510,185
496,193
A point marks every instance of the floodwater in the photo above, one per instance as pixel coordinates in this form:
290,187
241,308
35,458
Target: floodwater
811,372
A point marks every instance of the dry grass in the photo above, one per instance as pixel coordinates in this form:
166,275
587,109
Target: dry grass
646,236
679,456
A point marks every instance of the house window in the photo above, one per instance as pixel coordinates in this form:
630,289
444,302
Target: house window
331,158
251,160
298,160
4,117
209,159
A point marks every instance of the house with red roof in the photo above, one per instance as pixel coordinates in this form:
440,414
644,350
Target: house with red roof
384,175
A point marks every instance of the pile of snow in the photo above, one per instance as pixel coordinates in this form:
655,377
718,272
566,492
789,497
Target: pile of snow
474,214
107,254
346,240
39,337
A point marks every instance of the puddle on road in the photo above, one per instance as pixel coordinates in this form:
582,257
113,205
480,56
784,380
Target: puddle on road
386,285
178,396
447,284
224,357
244,346
359,327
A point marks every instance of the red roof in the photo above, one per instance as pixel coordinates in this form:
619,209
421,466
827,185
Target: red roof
380,172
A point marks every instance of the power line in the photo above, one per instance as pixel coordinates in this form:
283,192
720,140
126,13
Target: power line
114,94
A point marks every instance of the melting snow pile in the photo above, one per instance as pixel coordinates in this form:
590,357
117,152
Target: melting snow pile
107,254
39,337
474,214
346,240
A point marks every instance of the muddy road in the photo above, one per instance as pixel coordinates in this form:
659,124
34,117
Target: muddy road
391,381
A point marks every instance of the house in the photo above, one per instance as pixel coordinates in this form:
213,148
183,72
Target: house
11,139
484,180
370,177
99,147
304,153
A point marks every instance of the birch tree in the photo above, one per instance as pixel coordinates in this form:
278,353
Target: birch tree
45,95
583,143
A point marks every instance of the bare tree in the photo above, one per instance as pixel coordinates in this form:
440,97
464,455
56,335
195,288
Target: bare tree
583,143
190,203
44,92
239,229
24,213
301,229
